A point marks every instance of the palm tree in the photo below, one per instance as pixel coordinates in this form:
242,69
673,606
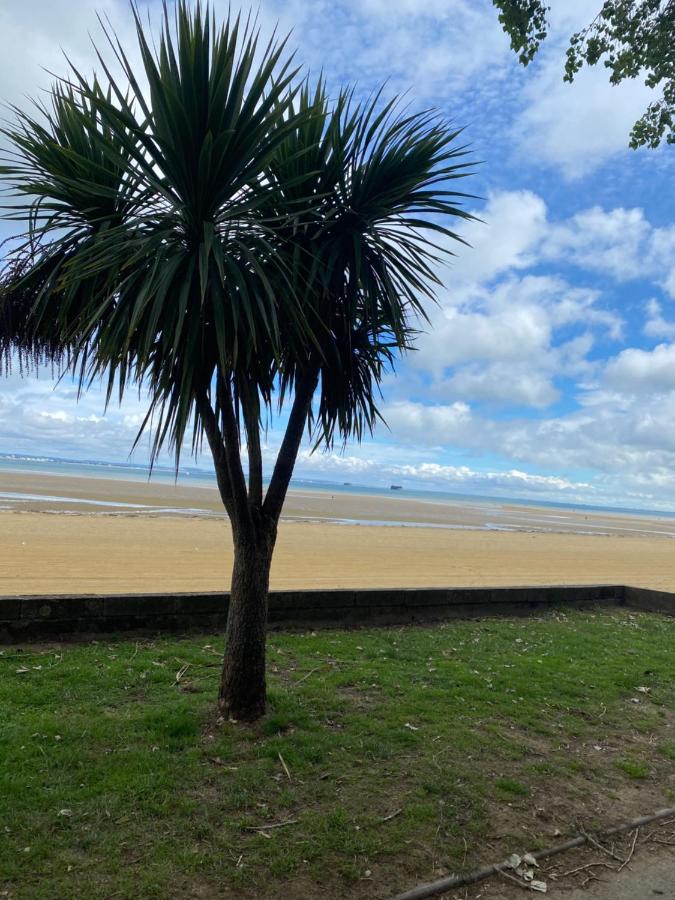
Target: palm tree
236,245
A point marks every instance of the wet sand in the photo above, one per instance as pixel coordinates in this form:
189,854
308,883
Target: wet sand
28,492
71,535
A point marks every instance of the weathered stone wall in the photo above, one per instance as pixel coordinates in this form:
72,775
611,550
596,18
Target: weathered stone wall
650,601
57,617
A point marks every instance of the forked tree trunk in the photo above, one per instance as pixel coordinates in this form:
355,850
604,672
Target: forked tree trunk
254,528
242,686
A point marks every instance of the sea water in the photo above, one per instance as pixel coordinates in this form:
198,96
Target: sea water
202,476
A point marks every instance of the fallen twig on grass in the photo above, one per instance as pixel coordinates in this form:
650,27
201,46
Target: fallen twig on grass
285,767
217,761
632,850
305,677
587,866
179,674
598,846
392,815
270,827
24,654
649,834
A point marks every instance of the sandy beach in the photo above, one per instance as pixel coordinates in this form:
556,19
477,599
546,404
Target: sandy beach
70,535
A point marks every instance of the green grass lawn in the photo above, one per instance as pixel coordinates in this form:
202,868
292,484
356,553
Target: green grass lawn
394,755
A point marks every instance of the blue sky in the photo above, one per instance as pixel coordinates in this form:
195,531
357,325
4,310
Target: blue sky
549,366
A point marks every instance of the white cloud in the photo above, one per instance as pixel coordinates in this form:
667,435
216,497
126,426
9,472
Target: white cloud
504,385
462,476
36,33
620,243
668,283
622,437
498,336
503,344
335,463
407,43
576,127
37,415
438,424
656,326
517,233
625,446
565,19
597,240
444,477
504,324
643,370
512,227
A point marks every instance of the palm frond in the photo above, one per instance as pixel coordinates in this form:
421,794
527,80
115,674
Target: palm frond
363,194
222,221
144,212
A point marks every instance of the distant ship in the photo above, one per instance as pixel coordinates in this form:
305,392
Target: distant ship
396,487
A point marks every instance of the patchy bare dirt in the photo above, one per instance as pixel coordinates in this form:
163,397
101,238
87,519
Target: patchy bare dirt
586,874
582,874
592,795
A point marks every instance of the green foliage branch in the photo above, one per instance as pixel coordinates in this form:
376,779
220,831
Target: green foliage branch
630,37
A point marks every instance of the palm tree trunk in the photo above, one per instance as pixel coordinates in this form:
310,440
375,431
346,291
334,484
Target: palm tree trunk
242,685
254,529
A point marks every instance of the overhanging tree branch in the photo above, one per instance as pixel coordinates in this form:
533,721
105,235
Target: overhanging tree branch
632,38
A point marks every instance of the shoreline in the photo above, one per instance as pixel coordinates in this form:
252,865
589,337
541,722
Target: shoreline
75,495
51,554
69,546
204,481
